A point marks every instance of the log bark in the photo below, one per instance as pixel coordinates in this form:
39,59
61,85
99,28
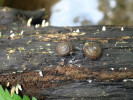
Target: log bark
30,59
36,48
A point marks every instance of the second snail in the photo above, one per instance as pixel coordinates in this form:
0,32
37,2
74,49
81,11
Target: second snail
92,50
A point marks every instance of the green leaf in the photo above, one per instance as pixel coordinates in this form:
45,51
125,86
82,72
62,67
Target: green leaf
33,98
5,95
16,97
0,37
2,92
8,96
1,97
26,97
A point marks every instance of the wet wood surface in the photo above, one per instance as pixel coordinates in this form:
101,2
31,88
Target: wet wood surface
36,48
28,57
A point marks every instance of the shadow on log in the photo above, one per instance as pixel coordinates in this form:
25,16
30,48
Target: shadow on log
28,57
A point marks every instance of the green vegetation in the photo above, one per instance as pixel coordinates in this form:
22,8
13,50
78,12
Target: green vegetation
0,35
5,95
1,2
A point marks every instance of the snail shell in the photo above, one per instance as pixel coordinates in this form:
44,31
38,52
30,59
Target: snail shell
92,50
64,48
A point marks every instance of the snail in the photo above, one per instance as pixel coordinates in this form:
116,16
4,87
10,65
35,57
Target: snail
92,50
64,49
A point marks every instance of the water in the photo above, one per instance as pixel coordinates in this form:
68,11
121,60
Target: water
75,13
92,12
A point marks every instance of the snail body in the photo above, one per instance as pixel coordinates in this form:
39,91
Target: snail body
64,49
92,50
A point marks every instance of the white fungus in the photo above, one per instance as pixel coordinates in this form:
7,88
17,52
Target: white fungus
122,29
40,73
37,25
29,22
12,35
12,90
47,24
14,72
43,23
21,33
89,81
121,68
104,28
74,31
19,87
77,31
125,80
11,31
128,80
20,71
125,68
112,68
48,44
8,83
16,89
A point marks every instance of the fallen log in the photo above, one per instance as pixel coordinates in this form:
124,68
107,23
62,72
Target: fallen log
28,56
36,48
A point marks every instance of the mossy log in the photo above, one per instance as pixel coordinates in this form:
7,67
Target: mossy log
28,57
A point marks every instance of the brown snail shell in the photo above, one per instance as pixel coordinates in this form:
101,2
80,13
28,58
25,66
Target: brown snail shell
64,48
92,50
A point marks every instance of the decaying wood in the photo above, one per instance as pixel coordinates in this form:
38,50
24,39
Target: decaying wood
33,50
36,48
81,80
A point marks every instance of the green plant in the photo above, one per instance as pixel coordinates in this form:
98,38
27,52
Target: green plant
0,36
1,2
5,95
